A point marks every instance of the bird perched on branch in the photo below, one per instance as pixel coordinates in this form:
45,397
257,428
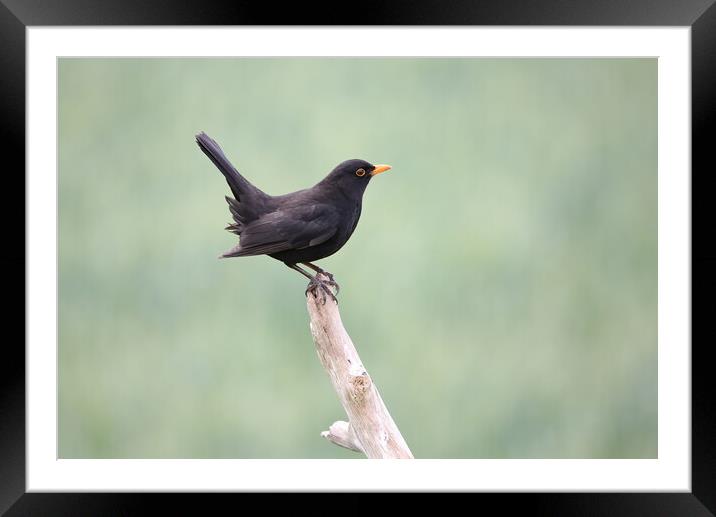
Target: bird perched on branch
300,227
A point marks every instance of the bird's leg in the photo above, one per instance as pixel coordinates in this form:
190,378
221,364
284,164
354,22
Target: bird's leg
315,284
330,282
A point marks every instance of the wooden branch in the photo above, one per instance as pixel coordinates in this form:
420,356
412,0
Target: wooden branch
371,429
342,434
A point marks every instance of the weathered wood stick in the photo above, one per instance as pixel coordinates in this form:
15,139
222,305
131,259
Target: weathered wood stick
370,429
341,434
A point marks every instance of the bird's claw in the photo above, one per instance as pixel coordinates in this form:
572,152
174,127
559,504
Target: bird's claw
317,284
332,282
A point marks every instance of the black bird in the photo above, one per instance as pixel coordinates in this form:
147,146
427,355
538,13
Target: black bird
295,228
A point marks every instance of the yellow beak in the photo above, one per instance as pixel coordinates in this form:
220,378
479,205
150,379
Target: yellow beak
380,168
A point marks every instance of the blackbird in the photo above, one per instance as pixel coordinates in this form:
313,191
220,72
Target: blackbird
296,228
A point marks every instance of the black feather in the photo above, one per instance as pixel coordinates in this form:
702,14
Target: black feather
239,185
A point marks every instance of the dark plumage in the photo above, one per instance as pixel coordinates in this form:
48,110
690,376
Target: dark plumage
299,227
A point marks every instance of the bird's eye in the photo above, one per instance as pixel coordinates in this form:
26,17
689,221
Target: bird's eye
360,172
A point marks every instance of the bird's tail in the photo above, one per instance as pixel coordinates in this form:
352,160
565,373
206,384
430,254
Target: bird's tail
239,185
238,214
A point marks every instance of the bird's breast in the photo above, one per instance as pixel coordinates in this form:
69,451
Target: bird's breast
355,216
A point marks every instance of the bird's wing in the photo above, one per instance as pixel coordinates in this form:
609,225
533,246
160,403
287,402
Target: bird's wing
289,228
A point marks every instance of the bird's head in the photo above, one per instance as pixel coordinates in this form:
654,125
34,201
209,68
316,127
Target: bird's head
352,176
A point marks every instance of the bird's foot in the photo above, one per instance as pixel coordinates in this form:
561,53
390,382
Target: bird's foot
322,288
325,273
331,281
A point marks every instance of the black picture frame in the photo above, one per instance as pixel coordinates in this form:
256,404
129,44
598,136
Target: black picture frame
16,15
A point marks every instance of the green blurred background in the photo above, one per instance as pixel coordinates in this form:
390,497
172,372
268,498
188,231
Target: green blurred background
501,286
